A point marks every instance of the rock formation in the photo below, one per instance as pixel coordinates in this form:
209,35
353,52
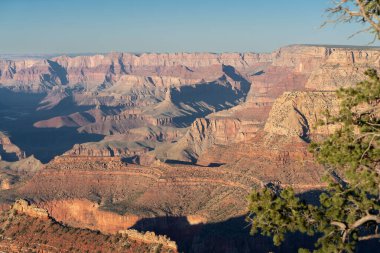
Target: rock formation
298,114
26,228
22,206
15,167
149,237
9,151
292,70
185,136
86,214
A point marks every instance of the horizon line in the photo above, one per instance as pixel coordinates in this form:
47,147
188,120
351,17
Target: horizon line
69,54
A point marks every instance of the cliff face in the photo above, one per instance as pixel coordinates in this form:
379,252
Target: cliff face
307,75
95,70
9,151
198,132
203,134
86,214
298,114
222,98
121,80
343,68
15,167
27,228
169,69
179,200
122,196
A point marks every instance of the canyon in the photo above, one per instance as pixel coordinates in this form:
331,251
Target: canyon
170,143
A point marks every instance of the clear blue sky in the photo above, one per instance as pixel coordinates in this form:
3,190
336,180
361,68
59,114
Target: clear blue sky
74,26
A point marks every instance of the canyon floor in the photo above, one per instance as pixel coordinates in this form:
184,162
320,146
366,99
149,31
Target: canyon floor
170,143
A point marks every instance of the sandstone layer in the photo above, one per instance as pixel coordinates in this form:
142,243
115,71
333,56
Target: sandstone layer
292,70
186,137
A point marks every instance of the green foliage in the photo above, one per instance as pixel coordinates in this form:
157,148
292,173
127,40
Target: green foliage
355,143
349,208
276,214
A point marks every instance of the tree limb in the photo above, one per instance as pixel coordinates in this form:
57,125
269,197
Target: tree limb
339,224
369,237
364,220
367,18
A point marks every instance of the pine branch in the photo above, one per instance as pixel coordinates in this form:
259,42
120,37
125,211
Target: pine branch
369,237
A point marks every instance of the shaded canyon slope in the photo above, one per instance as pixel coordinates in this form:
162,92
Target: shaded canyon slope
184,137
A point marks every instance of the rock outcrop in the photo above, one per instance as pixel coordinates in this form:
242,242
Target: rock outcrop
150,191
13,172
22,206
187,136
15,167
176,199
150,238
294,70
86,214
26,228
203,134
299,114
9,151
343,68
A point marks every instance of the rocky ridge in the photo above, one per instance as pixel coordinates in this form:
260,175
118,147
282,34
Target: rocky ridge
9,151
15,167
27,228
187,136
299,114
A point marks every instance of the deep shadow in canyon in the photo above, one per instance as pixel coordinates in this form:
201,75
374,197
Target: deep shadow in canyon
19,112
228,236
206,98
232,235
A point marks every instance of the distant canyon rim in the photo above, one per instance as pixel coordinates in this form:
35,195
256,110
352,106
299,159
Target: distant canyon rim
171,143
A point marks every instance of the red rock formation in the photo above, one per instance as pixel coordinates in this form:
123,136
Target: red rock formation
26,228
236,148
86,214
294,68
191,191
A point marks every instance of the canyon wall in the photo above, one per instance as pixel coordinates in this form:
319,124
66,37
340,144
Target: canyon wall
9,151
96,69
294,70
186,136
222,98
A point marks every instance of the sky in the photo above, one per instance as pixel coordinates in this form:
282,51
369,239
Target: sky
100,26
